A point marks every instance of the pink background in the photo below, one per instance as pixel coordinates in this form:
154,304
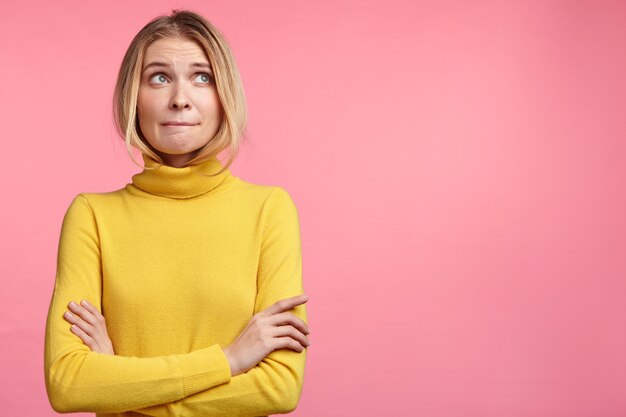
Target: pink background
459,169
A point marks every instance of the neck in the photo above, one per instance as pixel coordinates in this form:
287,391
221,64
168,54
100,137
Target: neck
180,182
177,161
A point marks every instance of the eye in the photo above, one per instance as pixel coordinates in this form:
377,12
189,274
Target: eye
206,77
159,76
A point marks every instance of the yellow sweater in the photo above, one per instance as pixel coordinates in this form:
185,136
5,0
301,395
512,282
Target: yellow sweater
178,263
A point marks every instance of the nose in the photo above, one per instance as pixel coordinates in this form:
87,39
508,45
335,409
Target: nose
180,99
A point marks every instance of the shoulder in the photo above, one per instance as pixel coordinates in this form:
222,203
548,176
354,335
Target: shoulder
270,196
279,207
274,202
281,199
96,201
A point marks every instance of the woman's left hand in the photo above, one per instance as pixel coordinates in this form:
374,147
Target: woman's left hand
89,325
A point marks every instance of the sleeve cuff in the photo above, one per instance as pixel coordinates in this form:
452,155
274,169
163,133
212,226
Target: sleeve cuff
203,369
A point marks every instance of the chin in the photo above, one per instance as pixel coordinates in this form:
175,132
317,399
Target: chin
181,151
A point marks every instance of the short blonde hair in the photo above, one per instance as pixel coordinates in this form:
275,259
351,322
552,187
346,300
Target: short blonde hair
192,26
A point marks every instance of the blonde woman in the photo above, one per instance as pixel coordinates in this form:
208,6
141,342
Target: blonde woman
181,293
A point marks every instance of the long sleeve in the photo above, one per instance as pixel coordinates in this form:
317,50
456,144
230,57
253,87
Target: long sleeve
273,386
80,380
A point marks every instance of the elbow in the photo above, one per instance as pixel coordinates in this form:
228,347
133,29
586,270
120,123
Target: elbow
61,395
289,398
60,399
60,406
288,390
289,405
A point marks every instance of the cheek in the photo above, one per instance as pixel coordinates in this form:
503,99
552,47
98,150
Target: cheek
145,107
211,106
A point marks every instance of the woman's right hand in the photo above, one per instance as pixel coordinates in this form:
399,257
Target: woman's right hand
268,330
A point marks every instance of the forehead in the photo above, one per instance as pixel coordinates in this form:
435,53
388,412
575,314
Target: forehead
173,50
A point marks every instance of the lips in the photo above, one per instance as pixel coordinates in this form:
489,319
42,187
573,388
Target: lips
178,124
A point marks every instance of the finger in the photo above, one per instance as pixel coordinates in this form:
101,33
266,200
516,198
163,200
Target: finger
292,332
286,304
90,307
82,312
83,336
82,324
289,318
287,343
100,324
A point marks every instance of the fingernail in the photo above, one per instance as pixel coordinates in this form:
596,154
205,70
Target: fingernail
73,304
68,314
85,303
305,297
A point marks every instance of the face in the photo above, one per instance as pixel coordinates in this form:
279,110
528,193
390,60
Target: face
178,106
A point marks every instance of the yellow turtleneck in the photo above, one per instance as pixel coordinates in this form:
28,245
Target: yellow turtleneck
178,263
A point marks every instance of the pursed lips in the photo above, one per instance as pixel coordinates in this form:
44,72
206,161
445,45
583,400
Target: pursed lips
171,124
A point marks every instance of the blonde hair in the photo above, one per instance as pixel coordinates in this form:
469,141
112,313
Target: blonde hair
192,26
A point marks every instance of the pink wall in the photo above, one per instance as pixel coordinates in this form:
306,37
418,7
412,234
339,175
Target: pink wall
459,169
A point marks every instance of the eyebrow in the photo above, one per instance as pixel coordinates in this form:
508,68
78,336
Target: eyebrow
164,65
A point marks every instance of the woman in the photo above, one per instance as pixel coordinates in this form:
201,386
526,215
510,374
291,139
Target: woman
197,272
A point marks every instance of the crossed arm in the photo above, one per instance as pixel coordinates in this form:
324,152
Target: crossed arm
196,383
90,327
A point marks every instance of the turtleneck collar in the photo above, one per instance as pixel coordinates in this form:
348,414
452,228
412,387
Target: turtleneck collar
185,182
